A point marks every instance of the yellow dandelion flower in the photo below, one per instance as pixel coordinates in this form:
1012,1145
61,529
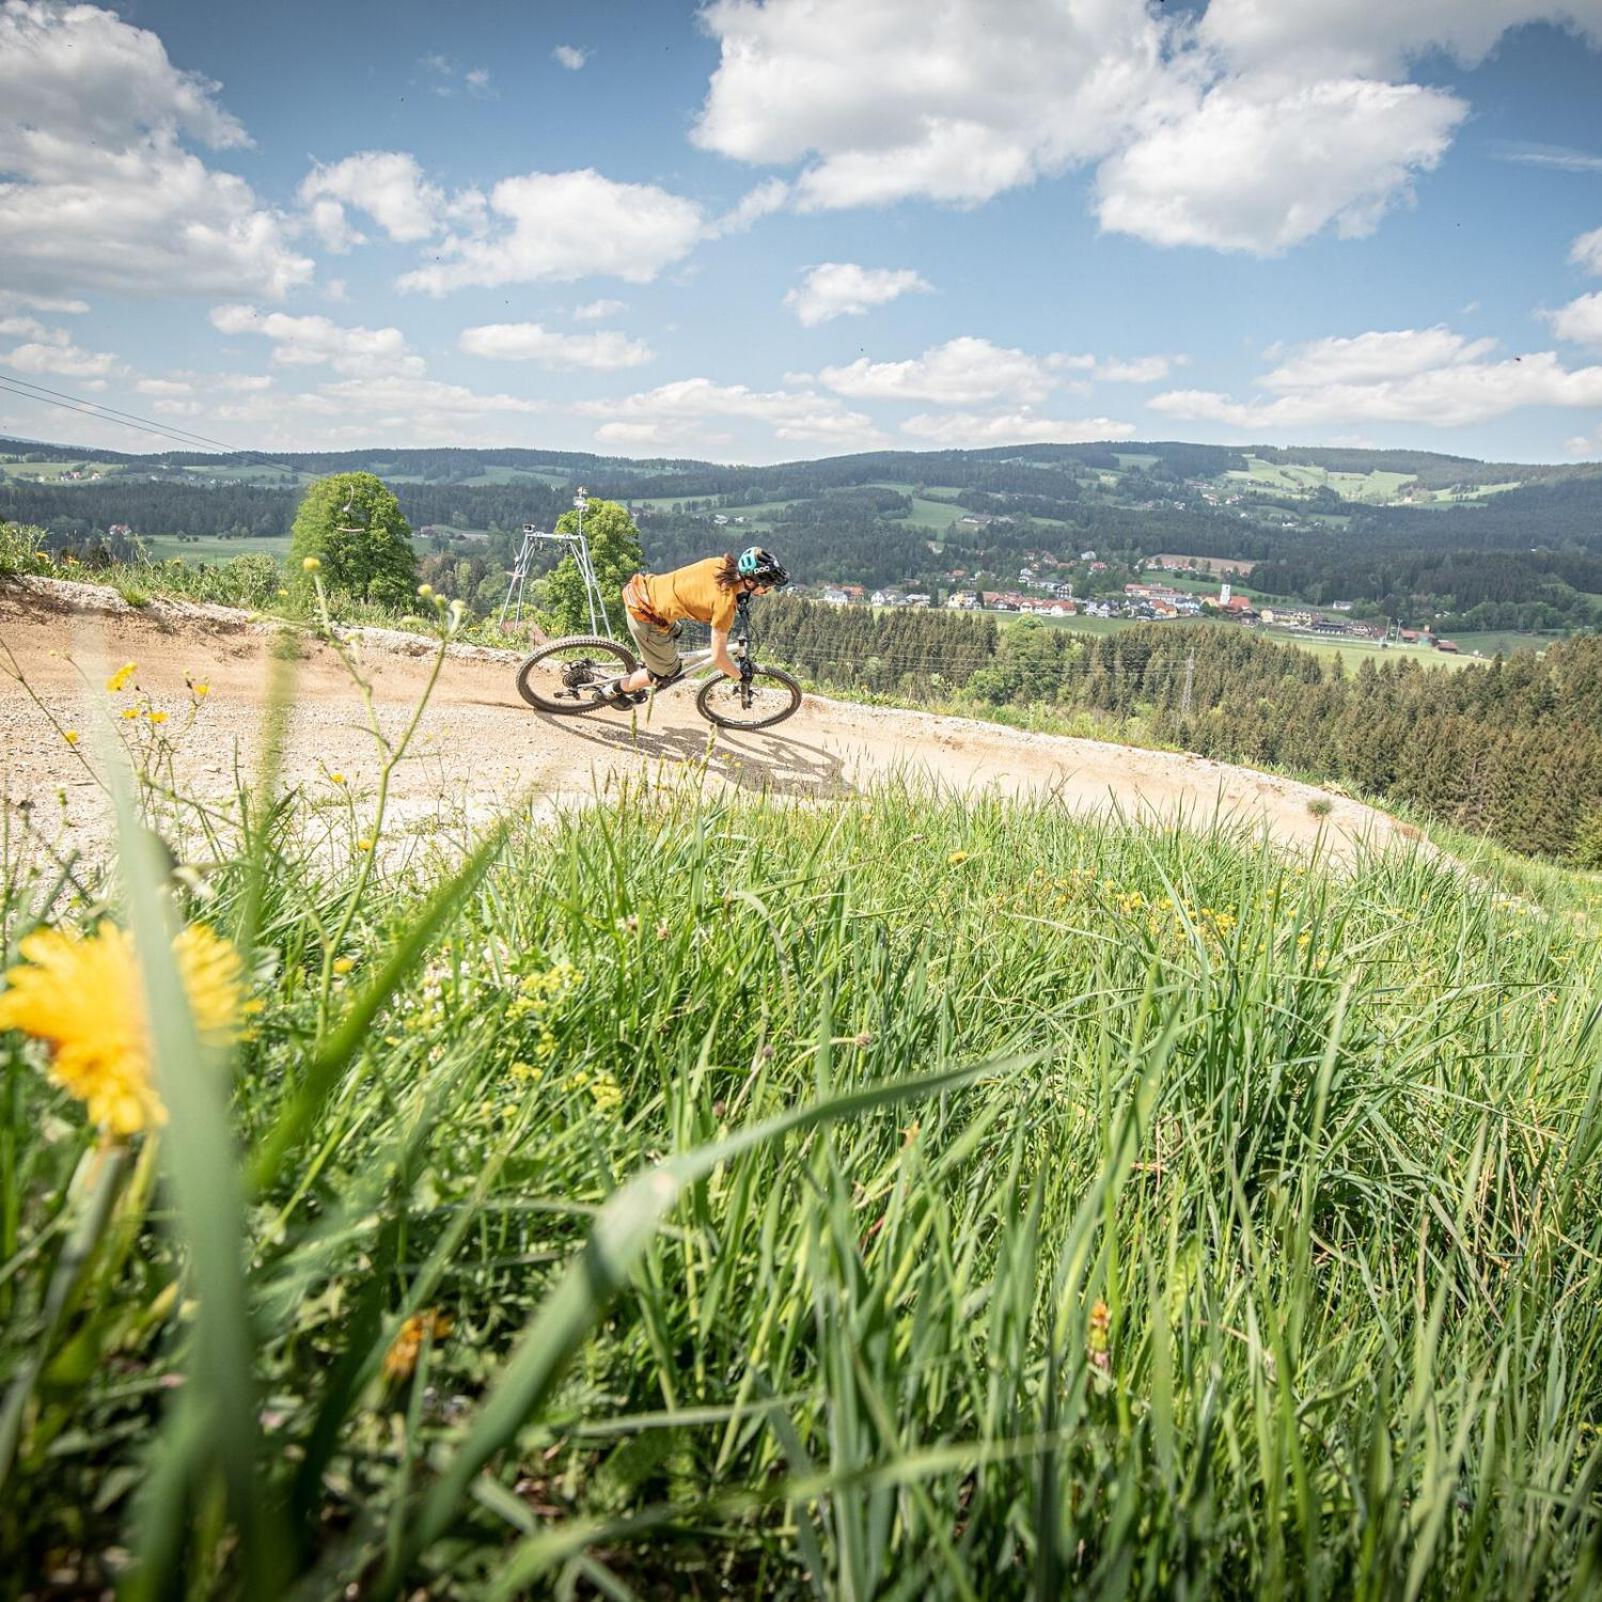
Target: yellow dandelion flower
364,844
129,713
201,689
82,994
344,964
70,736
336,778
119,680
956,859
157,717
425,592
400,1361
310,564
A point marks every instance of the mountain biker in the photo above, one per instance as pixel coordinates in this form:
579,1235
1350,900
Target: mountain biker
659,604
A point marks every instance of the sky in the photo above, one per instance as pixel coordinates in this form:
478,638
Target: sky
764,230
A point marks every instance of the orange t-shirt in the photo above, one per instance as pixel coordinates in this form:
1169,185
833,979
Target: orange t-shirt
693,592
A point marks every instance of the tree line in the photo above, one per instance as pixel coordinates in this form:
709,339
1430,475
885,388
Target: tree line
1511,749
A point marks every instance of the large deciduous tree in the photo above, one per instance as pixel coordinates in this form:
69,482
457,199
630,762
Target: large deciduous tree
616,556
354,526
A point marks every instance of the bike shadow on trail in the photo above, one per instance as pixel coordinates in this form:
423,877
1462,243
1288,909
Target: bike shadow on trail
766,763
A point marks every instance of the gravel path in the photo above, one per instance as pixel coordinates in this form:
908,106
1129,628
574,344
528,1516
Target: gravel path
479,747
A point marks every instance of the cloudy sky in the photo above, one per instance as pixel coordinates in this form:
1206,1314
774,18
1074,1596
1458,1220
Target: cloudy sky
759,231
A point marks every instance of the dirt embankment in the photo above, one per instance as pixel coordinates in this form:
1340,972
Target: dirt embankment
479,746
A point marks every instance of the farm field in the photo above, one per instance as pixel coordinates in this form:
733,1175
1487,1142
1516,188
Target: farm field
213,547
1378,488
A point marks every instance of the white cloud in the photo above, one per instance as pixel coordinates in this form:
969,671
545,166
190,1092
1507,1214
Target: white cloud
972,430
1258,167
1137,369
247,383
1586,251
1580,321
57,354
1252,127
593,310
45,303
1378,378
386,184
605,350
792,414
102,193
843,289
959,373
312,341
1342,36
564,226
165,388
570,56
328,221
956,102
762,201
1374,356
413,398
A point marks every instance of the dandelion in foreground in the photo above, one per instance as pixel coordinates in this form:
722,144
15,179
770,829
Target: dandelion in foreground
119,679
310,564
364,844
201,689
83,996
129,713
400,1361
70,736
956,859
344,964
157,717
336,778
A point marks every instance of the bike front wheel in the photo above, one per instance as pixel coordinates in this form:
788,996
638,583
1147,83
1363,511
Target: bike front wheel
769,696
569,675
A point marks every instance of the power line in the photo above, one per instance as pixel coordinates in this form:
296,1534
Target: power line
28,390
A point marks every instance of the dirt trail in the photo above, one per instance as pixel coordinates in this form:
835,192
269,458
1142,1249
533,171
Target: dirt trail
479,746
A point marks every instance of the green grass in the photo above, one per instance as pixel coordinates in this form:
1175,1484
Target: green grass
896,1196
935,515
212,547
1507,641
1378,488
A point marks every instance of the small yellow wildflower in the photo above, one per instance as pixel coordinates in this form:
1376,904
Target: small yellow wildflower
364,844
425,592
83,995
201,689
956,859
400,1361
336,778
344,964
70,736
129,713
119,679
157,717
1097,1338
310,564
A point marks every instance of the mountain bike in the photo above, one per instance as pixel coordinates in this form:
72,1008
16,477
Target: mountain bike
571,675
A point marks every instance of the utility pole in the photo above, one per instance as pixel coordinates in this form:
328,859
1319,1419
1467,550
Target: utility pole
1190,678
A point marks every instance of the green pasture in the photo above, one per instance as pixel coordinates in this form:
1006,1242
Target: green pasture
213,547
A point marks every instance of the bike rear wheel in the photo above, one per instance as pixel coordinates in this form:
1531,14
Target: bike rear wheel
769,696
567,676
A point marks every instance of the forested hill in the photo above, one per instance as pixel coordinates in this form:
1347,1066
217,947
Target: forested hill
1407,535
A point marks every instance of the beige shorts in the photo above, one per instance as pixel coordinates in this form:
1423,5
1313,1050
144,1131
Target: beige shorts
658,647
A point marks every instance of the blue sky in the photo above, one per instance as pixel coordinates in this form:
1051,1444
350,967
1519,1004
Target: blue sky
762,231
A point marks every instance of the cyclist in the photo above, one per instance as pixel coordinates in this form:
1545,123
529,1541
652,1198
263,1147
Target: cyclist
659,604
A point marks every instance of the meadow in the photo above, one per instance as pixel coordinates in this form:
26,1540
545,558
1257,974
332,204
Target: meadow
698,1194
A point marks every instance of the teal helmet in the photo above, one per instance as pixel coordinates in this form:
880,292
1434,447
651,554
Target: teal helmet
763,566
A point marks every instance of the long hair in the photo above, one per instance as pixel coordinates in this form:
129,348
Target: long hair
728,575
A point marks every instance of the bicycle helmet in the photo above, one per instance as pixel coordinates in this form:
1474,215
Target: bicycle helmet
763,566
